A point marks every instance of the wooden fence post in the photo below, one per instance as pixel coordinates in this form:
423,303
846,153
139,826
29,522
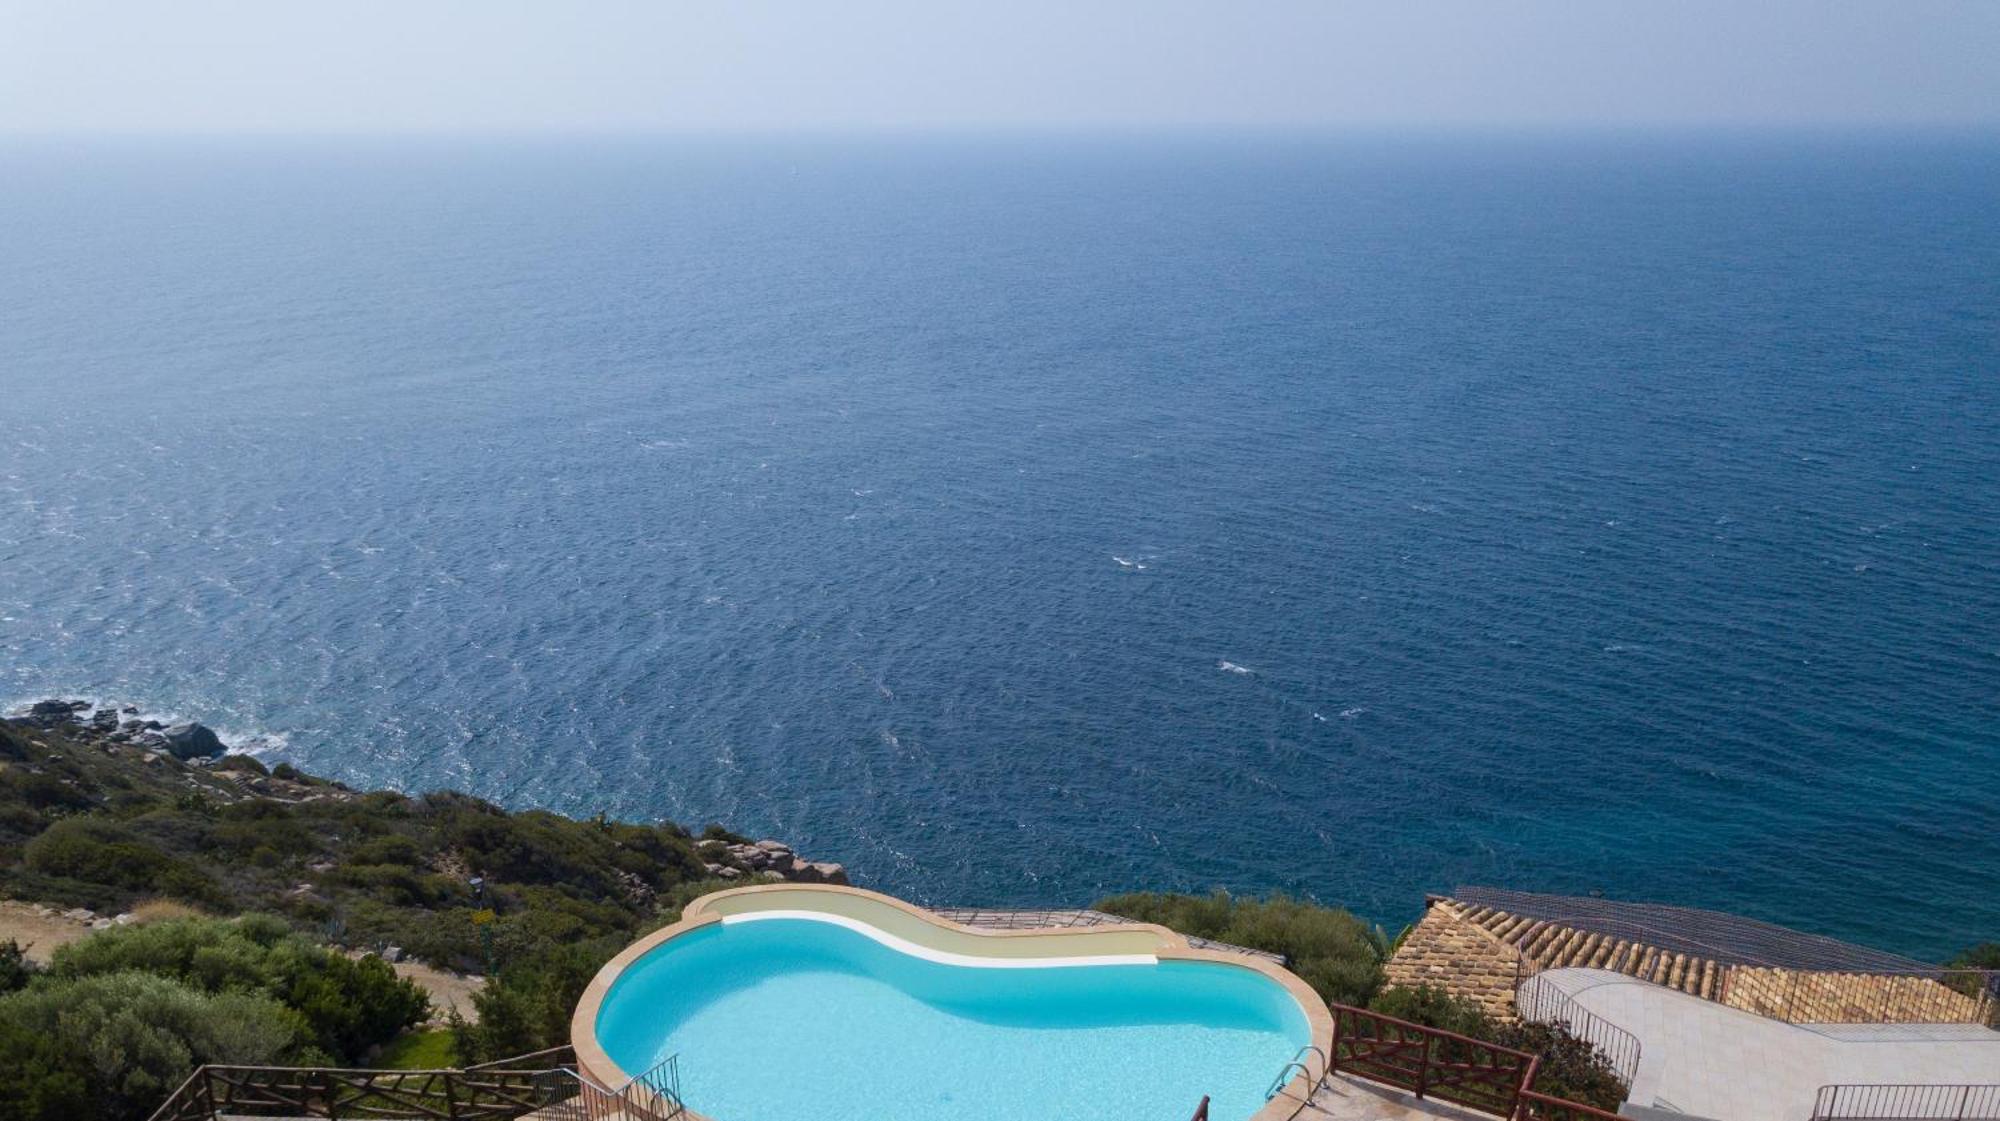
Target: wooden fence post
1423,1067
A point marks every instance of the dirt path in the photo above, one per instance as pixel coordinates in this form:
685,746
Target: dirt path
39,929
448,990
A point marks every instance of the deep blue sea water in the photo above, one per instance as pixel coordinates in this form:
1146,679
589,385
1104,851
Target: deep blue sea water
1022,520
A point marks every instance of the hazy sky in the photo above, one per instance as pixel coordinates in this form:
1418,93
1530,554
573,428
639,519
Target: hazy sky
598,65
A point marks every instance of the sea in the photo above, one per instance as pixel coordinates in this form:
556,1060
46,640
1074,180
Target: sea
1019,519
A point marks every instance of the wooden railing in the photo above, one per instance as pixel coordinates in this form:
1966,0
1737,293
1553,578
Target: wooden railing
1434,1063
403,1095
1542,1107
1429,1062
545,1081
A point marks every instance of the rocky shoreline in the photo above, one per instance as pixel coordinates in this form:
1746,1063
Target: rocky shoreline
118,726
122,724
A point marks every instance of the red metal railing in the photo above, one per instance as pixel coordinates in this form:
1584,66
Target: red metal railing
1429,1062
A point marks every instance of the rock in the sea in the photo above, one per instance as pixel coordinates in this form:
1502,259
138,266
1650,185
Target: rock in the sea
56,709
104,720
193,741
819,872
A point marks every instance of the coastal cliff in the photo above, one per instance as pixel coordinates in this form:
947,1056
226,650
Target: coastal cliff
102,810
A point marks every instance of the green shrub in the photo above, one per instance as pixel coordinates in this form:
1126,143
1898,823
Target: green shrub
39,1080
1328,948
1986,955
250,826
96,850
1434,1008
15,968
388,849
41,791
1570,1068
348,1005
136,1037
528,1006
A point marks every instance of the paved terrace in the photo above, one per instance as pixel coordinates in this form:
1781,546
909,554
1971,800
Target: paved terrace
1711,1060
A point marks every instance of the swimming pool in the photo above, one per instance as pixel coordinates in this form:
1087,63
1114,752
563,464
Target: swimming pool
789,1002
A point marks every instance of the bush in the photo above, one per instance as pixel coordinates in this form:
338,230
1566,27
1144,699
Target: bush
1570,1068
134,1037
96,850
528,1006
39,1080
1328,948
15,968
347,1005
1986,955
250,826
81,856
40,791
1434,1008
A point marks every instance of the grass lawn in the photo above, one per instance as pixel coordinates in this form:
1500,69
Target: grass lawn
419,1050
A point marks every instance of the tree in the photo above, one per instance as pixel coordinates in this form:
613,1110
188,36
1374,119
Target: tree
38,1080
15,968
135,1037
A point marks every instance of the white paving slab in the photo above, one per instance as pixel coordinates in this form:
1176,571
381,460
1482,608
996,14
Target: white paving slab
1707,1059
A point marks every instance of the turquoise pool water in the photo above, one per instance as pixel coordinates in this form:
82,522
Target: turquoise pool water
783,1019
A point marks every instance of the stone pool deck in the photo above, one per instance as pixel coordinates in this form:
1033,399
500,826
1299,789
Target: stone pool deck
996,919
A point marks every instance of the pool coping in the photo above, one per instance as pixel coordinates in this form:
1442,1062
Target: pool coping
910,924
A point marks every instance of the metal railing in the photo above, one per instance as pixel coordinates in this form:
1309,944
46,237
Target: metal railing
1543,1001
1907,1103
654,1095
1298,1063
